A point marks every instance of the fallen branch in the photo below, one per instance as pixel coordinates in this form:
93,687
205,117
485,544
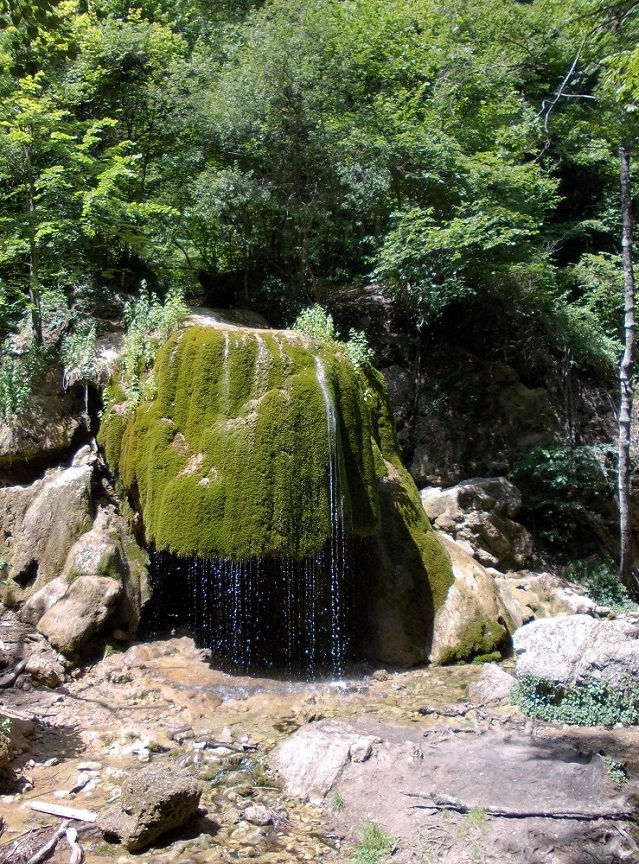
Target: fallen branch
41,854
64,812
447,802
77,852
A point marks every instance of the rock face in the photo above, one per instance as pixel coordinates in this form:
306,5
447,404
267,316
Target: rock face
282,449
527,596
157,799
479,515
467,624
40,523
574,649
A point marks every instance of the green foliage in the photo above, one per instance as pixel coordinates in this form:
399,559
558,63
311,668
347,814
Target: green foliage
602,582
149,323
316,322
336,801
15,389
358,350
563,489
592,704
78,354
374,845
616,771
5,727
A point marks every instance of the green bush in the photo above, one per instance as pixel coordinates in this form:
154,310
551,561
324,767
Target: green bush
374,845
601,581
592,704
316,322
15,388
78,354
149,323
564,490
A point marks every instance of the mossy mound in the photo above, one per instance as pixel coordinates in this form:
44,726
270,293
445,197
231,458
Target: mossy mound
236,458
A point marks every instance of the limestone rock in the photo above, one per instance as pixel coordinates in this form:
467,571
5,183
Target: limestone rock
48,427
467,624
45,669
311,761
577,648
83,611
43,521
479,514
527,595
41,601
157,799
493,685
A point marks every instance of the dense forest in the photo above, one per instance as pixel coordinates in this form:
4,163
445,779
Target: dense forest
461,157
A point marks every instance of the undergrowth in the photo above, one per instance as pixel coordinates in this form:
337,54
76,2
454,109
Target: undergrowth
317,322
601,581
374,845
592,704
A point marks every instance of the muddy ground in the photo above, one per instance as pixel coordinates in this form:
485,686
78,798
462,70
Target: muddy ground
162,701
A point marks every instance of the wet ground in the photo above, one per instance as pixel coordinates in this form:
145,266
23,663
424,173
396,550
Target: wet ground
162,701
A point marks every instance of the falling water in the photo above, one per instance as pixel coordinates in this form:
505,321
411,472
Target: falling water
265,612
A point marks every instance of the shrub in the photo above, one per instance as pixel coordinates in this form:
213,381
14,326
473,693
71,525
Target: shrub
374,845
78,355
601,581
316,322
592,704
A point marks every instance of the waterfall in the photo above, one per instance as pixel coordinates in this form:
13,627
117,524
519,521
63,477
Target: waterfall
265,611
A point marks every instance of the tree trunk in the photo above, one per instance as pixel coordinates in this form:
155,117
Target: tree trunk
626,371
34,261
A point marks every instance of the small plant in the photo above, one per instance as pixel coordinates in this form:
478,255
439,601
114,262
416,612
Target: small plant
15,389
317,322
593,704
374,845
78,355
149,323
477,817
357,348
336,801
5,727
616,771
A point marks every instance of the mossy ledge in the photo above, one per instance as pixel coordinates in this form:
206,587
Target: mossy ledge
231,459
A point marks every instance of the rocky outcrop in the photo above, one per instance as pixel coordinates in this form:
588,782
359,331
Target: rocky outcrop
527,595
576,648
83,611
479,515
472,620
39,523
157,799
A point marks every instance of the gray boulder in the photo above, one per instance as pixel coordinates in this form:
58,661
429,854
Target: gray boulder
577,648
478,514
81,613
42,521
159,798
311,761
493,685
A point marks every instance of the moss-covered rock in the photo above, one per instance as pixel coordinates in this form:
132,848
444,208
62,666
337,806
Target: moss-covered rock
256,444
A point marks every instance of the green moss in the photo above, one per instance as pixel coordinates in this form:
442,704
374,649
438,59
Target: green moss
480,640
231,457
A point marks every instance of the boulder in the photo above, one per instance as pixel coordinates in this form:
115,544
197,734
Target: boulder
48,427
468,622
41,601
42,521
311,761
527,596
577,648
81,613
158,798
479,514
493,685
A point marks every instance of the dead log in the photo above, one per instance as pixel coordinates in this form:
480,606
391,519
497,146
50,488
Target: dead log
41,854
77,852
63,812
448,802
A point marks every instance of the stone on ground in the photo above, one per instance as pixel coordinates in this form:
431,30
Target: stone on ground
157,799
